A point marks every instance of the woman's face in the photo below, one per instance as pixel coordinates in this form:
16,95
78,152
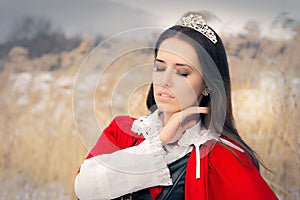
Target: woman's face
177,82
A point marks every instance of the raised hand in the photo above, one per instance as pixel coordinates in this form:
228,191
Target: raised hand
179,122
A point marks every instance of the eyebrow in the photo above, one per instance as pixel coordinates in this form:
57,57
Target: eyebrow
177,64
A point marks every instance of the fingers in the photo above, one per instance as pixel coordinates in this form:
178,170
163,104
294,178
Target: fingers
191,114
203,110
194,110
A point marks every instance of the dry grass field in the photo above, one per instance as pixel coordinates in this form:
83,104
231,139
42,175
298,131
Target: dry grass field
41,149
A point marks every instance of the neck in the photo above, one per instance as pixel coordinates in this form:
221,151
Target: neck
165,116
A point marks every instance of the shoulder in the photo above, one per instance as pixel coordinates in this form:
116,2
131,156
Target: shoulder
227,156
122,124
119,132
123,120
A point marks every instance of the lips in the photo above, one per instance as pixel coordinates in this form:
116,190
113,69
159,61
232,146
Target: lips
163,95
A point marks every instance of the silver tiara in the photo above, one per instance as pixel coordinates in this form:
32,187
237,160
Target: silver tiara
197,23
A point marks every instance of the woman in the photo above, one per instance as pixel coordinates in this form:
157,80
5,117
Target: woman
188,147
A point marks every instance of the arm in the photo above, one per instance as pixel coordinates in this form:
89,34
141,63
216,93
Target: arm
109,173
103,173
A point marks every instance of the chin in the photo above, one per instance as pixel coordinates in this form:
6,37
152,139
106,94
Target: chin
168,108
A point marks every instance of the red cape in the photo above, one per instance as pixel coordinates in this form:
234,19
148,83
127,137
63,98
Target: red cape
223,175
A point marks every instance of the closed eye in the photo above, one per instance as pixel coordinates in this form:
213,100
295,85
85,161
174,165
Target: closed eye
183,71
159,68
183,74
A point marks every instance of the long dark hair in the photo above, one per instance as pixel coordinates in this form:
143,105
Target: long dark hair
215,52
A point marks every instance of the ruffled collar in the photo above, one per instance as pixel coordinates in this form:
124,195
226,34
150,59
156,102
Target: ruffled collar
150,125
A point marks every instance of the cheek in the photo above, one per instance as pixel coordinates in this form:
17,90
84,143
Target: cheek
186,95
188,92
156,77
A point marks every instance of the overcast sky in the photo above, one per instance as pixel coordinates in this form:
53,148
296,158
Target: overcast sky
112,16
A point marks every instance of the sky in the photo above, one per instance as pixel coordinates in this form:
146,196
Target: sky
108,17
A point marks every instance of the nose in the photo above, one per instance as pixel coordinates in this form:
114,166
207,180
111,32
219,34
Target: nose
166,79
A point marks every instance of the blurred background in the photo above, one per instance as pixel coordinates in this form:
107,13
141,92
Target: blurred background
43,43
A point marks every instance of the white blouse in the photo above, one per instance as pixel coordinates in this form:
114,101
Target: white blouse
135,168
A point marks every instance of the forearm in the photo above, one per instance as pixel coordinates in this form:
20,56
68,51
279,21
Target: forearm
112,175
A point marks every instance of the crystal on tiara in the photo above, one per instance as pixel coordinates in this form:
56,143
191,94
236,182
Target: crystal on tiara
197,23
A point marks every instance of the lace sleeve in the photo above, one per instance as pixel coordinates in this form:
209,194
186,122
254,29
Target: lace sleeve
112,175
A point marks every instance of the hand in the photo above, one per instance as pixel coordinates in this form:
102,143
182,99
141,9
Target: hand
178,123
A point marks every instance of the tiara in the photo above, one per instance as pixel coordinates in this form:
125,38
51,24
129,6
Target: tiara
197,23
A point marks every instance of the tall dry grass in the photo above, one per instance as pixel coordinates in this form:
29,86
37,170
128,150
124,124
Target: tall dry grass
40,150
266,106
